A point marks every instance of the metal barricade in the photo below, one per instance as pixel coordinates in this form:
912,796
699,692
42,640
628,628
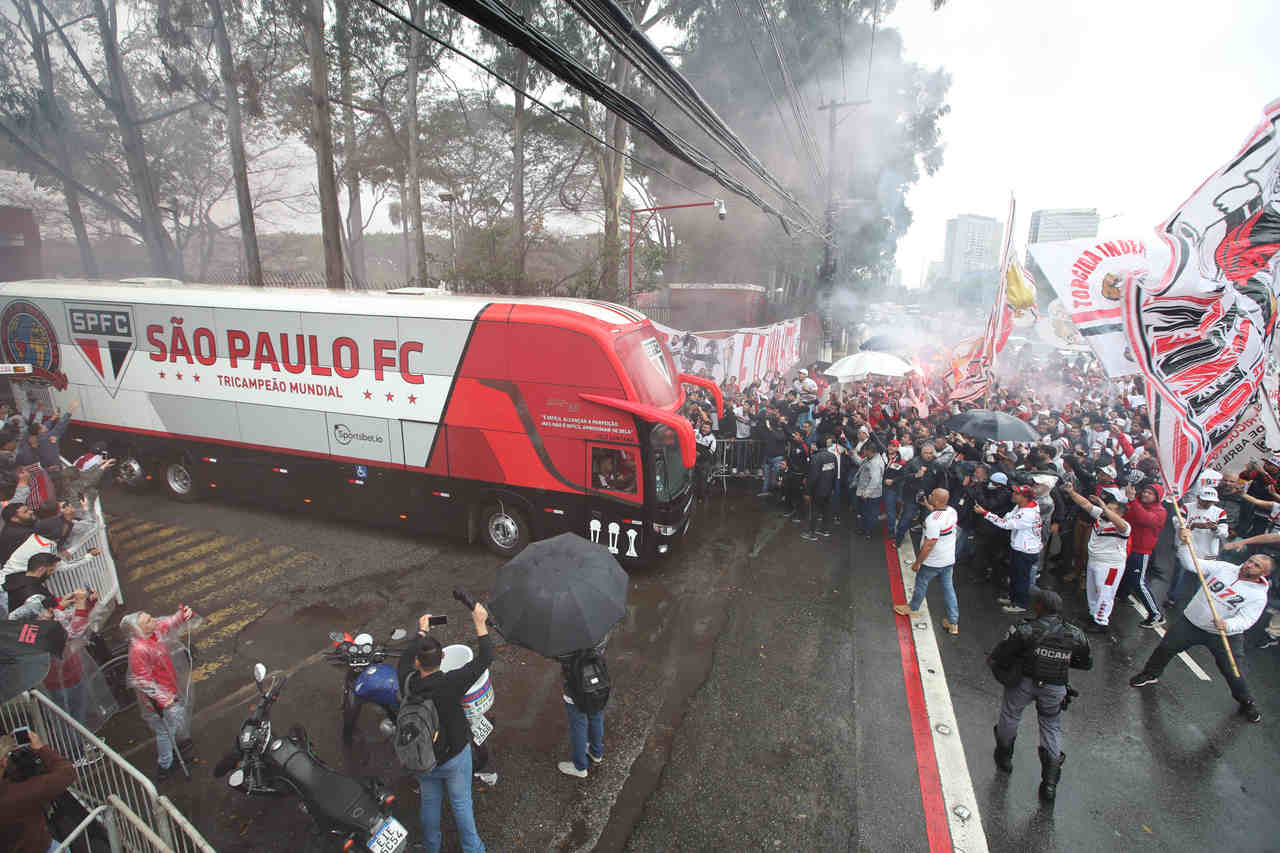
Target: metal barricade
74,836
99,573
103,777
737,457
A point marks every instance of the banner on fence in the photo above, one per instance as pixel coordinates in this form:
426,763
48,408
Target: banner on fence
746,355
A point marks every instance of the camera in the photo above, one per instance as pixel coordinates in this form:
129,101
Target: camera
23,764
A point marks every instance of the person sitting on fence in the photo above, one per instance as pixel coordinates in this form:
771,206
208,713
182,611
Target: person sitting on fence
162,683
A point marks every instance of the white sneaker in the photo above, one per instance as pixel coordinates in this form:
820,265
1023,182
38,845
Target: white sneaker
567,768
594,759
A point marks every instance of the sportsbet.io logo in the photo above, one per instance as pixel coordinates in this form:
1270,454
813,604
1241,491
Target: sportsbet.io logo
344,435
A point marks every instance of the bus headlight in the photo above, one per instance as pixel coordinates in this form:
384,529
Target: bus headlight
665,529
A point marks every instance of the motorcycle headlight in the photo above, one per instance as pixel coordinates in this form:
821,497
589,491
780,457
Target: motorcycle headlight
367,648
665,529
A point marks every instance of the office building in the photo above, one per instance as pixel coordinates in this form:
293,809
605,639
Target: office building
973,244
1067,223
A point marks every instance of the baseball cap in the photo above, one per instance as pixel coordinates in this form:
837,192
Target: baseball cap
1116,494
1000,477
804,372
1109,470
1208,493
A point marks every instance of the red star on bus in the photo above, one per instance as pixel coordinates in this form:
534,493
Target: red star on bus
368,396
412,399
179,377
390,396
162,374
196,376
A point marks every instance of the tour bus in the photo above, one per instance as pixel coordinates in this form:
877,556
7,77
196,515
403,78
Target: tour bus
508,420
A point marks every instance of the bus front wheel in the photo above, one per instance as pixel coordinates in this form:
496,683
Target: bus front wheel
504,529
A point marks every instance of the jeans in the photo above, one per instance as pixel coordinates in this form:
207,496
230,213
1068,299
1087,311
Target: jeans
910,511
583,728
892,498
943,574
964,543
1183,635
173,716
771,466
1021,565
454,777
868,514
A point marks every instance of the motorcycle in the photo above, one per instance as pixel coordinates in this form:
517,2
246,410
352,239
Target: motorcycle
264,764
368,679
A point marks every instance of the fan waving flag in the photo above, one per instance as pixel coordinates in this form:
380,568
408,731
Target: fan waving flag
1201,335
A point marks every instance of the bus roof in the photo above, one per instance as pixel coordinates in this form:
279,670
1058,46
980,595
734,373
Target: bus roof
165,291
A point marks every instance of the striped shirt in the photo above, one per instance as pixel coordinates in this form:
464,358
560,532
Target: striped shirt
941,525
1107,546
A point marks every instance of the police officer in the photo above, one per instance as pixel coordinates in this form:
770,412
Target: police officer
1035,657
824,468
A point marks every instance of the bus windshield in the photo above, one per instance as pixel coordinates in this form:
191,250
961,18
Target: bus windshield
650,367
670,477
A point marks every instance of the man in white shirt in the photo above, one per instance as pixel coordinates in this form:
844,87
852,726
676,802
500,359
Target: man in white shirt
937,558
1025,526
1207,521
1240,596
1108,550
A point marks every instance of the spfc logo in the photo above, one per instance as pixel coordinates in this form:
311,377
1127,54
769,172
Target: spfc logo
104,336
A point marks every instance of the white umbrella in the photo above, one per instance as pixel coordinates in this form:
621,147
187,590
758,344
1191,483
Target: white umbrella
858,366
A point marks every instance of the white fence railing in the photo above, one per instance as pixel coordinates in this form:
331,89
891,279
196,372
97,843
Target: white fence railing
99,573
104,778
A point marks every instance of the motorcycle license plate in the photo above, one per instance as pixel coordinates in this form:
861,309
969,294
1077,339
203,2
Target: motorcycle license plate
481,728
389,838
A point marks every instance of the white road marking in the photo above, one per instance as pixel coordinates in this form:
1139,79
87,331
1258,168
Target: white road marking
1186,658
963,815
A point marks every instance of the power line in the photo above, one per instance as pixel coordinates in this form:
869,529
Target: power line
793,94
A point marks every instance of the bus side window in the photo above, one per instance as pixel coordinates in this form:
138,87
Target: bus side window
613,470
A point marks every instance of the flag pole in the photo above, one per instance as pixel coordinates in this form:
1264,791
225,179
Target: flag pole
1195,561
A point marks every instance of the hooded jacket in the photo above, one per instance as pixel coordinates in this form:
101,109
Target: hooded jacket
1146,521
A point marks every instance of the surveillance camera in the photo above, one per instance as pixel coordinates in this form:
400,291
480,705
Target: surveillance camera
720,208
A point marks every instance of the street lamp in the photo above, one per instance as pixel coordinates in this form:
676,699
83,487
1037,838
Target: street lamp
718,204
449,199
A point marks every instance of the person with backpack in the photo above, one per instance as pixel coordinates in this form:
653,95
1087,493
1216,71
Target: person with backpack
433,737
586,692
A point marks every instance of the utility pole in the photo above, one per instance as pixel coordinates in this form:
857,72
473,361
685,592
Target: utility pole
827,272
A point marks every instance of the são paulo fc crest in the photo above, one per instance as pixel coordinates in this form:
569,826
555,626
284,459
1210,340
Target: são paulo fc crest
104,336
27,337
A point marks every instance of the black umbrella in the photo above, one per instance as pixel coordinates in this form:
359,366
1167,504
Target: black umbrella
559,595
992,426
25,648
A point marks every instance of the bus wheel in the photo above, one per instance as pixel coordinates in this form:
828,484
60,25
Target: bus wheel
130,474
180,482
504,529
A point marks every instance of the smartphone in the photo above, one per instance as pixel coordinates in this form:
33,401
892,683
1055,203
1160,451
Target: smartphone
22,734
436,621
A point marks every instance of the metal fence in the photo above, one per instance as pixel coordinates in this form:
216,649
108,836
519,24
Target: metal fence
99,573
104,778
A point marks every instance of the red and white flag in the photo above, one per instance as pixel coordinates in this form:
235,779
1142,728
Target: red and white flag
1201,333
976,374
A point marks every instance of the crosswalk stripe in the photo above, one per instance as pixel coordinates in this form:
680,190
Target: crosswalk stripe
129,528
262,574
185,556
208,668
163,549
152,537
220,625
215,569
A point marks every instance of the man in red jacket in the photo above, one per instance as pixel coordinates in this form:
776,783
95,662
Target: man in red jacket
1146,518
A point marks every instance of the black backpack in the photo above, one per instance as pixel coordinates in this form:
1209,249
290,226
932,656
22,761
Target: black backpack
417,730
589,681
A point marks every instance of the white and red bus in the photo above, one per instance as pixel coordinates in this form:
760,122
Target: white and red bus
507,419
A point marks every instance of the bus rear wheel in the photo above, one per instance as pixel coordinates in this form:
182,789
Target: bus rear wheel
180,481
131,474
504,529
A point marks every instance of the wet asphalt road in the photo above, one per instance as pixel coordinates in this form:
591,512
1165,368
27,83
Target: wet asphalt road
758,702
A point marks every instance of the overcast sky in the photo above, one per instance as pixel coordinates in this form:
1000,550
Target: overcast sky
1124,105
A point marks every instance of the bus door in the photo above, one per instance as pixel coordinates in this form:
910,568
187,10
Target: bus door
615,515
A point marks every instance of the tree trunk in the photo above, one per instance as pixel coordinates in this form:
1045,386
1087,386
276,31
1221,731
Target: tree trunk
53,116
404,232
417,9
322,143
518,121
165,258
235,139
612,171
350,167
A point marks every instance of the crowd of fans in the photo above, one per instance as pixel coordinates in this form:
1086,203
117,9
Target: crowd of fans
894,444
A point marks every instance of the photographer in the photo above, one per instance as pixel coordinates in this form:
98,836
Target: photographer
420,675
31,777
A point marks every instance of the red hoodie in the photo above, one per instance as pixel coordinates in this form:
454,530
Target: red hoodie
1146,520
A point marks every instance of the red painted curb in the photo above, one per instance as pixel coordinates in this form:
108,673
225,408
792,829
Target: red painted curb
935,808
